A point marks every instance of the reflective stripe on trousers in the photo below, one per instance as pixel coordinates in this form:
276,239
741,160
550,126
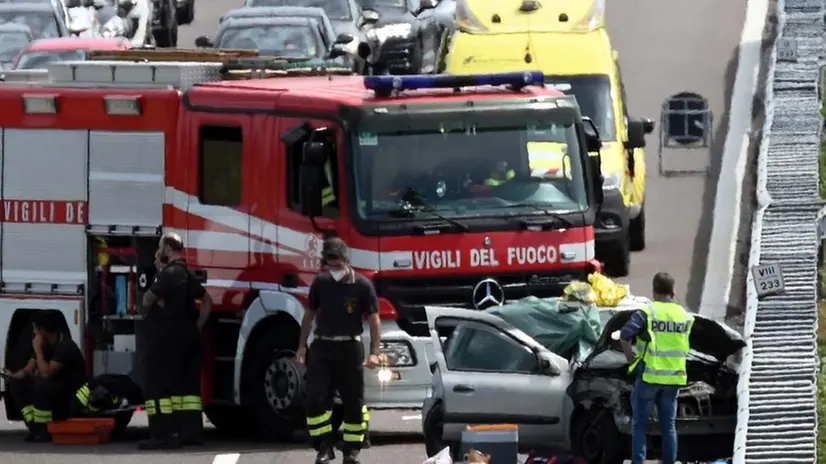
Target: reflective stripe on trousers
353,433
320,425
82,396
41,416
28,413
158,406
187,403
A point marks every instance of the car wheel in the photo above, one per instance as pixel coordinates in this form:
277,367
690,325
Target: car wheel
638,231
433,428
595,437
617,258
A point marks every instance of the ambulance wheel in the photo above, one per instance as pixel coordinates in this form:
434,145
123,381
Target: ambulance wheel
638,231
276,382
595,437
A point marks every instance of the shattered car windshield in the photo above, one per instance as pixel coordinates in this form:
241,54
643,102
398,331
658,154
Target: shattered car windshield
277,40
470,171
42,25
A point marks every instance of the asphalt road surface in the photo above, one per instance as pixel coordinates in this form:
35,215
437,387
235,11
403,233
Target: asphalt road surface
665,47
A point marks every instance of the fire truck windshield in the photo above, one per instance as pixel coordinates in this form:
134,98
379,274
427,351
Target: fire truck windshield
469,171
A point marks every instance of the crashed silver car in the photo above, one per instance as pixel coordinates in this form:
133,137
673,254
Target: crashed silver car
553,368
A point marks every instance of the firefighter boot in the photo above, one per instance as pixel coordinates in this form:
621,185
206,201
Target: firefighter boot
162,434
39,433
192,428
351,456
325,453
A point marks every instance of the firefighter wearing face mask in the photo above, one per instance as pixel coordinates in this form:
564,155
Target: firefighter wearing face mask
338,302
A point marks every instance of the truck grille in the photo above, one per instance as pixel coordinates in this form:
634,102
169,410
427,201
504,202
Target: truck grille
410,293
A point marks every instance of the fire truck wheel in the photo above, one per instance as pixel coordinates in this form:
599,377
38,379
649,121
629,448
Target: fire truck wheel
231,421
277,385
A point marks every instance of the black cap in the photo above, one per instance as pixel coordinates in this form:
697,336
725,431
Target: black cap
335,248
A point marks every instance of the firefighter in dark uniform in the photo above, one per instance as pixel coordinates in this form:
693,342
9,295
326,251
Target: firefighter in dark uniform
172,342
338,301
47,384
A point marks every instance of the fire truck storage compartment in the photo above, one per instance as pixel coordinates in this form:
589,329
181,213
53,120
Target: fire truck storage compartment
44,180
126,179
121,268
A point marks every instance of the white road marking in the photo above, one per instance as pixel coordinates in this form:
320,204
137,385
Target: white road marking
411,418
229,458
720,263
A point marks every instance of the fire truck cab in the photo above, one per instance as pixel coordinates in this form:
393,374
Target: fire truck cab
436,182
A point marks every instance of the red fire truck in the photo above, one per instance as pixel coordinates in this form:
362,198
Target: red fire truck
435,189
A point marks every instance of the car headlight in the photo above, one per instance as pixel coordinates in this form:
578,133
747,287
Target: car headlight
397,354
392,31
612,181
466,21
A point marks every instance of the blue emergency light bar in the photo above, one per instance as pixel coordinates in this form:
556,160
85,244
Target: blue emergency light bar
385,85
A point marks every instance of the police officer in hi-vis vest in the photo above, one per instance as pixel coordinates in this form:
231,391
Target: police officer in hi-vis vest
656,343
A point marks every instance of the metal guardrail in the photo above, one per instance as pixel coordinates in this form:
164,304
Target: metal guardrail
777,416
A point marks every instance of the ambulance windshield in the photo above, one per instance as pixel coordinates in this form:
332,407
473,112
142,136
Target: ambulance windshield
471,171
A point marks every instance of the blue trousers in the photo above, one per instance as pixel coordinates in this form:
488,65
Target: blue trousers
643,399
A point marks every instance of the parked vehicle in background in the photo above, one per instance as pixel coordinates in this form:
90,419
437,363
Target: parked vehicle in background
13,39
296,38
59,6
325,27
41,52
41,19
406,35
184,12
163,14
345,15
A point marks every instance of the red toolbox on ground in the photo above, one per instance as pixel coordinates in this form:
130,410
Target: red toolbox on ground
82,431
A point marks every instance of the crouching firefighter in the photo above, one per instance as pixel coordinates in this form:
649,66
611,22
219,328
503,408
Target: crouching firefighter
93,398
47,384
171,332
338,301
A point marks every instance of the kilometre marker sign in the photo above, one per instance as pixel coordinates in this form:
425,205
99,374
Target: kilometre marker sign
768,279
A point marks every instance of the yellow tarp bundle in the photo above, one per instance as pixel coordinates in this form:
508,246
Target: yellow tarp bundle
599,290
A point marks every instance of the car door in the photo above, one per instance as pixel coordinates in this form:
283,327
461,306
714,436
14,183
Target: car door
494,373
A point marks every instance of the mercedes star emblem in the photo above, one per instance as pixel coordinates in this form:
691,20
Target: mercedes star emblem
488,293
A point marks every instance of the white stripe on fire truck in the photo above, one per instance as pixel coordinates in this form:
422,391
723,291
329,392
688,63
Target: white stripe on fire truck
209,240
289,239
255,285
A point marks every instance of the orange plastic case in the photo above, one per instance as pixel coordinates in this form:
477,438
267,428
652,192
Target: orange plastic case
82,431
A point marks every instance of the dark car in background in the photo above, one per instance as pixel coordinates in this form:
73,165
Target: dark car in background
13,39
41,19
406,35
288,37
344,15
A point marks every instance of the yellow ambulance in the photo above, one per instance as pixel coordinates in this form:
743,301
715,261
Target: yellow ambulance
567,40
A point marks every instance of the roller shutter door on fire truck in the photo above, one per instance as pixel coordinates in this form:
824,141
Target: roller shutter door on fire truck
44,173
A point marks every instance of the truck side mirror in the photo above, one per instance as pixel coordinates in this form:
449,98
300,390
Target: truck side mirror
596,171
311,176
636,132
592,141
648,125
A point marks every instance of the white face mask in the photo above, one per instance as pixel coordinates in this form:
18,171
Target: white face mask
339,274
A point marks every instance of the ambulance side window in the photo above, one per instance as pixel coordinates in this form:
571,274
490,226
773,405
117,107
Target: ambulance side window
220,165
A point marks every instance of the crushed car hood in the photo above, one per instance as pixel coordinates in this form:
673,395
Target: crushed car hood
708,337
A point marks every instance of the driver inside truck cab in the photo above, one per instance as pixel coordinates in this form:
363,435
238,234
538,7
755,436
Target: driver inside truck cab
500,174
